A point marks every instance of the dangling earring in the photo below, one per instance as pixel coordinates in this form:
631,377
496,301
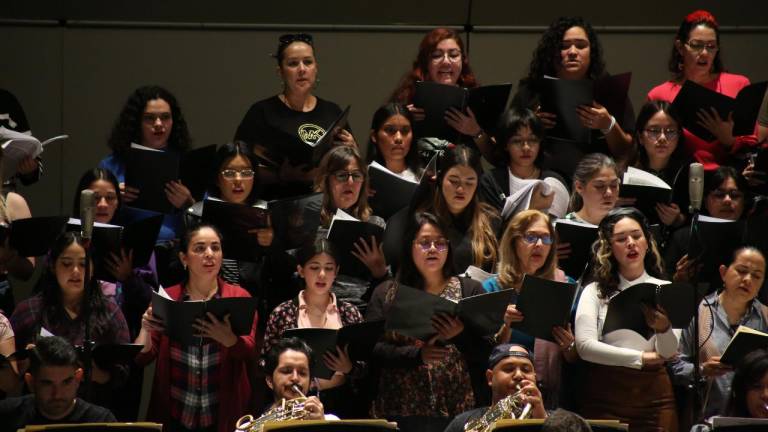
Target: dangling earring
184,265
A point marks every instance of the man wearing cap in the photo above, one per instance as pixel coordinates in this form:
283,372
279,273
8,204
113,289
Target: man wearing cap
510,369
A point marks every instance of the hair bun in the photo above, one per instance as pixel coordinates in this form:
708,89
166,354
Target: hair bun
701,16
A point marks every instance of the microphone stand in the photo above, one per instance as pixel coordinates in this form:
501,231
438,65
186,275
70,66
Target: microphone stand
88,343
697,384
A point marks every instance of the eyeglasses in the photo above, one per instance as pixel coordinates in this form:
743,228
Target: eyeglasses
343,176
531,238
453,55
636,235
288,39
699,46
231,174
457,183
151,118
425,244
519,142
654,133
109,198
392,130
578,43
733,194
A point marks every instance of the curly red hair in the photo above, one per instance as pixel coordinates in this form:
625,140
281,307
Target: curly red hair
420,70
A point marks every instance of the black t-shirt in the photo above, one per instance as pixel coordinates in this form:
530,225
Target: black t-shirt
283,133
11,113
19,412
271,124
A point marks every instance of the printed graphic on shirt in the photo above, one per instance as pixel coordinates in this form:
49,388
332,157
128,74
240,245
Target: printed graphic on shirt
310,133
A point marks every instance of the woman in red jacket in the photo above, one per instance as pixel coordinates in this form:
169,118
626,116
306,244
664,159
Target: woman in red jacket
696,56
212,391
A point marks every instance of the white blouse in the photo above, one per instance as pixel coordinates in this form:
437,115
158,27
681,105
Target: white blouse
621,347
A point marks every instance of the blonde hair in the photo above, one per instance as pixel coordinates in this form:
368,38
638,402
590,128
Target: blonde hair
510,266
481,215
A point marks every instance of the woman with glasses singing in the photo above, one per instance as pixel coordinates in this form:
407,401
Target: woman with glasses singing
659,149
724,198
443,59
294,117
422,385
522,133
569,49
343,181
529,247
696,56
270,266
626,378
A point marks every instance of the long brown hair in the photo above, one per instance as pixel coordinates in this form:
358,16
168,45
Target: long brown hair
420,70
605,267
479,215
510,267
337,160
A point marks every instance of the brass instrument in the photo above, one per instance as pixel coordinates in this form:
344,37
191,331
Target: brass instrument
292,409
510,407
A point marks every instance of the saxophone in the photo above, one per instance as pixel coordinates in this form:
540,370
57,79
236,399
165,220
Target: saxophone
510,407
292,409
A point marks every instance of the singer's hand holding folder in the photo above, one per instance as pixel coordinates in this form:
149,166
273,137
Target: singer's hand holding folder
412,311
625,308
178,316
359,340
545,304
581,236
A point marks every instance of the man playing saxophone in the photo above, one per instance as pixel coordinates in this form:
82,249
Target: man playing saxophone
512,379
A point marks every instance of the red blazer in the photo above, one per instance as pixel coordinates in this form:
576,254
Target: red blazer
234,387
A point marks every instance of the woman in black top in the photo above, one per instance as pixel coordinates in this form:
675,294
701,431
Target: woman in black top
275,127
569,49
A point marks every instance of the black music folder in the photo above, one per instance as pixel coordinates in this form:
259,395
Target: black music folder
563,97
624,309
745,107
393,192
545,304
715,241
487,103
234,220
316,152
345,231
149,170
295,220
647,189
178,316
33,236
581,236
743,342
139,237
359,338
197,168
106,355
412,311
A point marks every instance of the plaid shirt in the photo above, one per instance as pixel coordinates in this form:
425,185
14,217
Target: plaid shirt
29,316
194,382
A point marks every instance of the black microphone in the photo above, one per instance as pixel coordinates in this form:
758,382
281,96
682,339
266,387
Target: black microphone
87,213
695,186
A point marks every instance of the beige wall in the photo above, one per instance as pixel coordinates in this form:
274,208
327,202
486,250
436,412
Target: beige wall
74,80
